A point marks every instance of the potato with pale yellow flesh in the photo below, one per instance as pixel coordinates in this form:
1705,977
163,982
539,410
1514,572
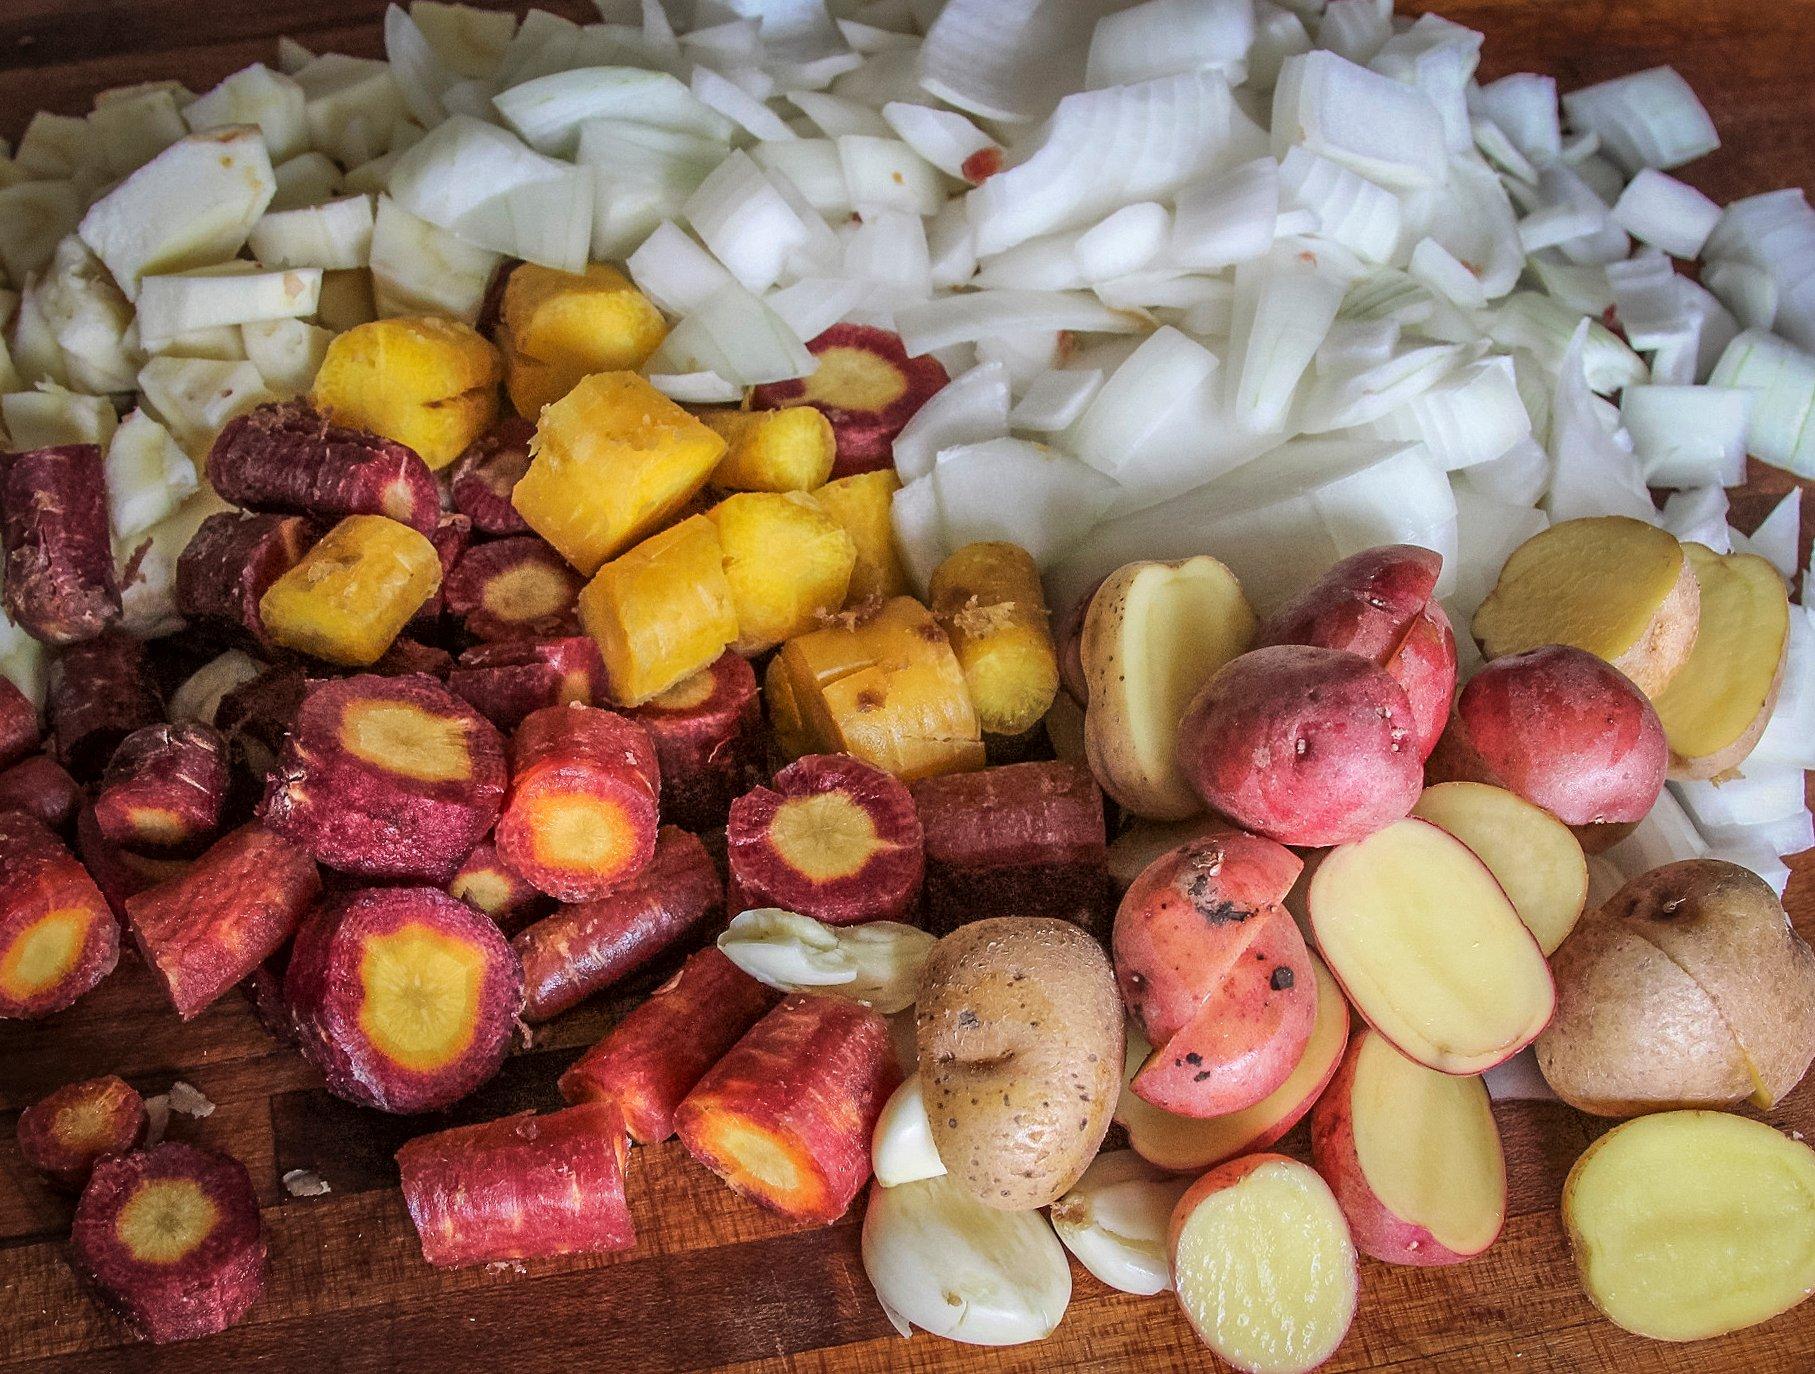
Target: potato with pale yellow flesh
429,383
1429,949
1186,1144
1533,855
1020,1039
1141,842
1717,706
613,461
1688,988
1412,1155
1264,1266
1621,589
988,600
1687,1225
1154,634
788,564
558,327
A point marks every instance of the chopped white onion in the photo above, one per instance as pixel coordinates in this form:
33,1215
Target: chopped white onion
1524,107
732,333
1025,493
1699,515
1688,436
970,409
1120,424
1782,380
1002,59
1167,38
1284,305
1229,218
674,271
1659,210
983,314
945,139
1471,417
1055,400
549,110
1593,474
1369,123
746,221
835,116
1648,119
886,174
1779,535
1361,216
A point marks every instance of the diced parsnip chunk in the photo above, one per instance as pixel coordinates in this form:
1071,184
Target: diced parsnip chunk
306,179
255,95
353,592
133,130
148,475
468,40
51,417
885,687
559,327
787,561
287,353
614,460
89,319
336,235
34,217
190,206
54,145
662,611
350,105
429,383
419,269
863,504
195,397
214,297
35,354
221,344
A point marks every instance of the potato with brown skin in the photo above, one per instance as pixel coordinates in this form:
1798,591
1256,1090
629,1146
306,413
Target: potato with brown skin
1020,1037
1564,730
1688,988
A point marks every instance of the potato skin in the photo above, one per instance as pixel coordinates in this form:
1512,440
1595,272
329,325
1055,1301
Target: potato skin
1304,745
1020,1037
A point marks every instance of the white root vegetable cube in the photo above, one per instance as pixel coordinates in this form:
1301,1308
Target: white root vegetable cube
255,95
148,475
420,269
34,217
287,353
51,416
133,130
351,105
89,319
191,206
233,293
195,397
306,179
335,236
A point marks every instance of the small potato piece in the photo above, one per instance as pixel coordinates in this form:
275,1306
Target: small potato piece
1532,854
1564,730
559,327
1020,1039
351,595
1686,1225
1412,1155
988,600
1155,633
863,504
1718,704
1264,1266
787,563
429,383
1623,590
1428,948
773,450
1306,746
613,461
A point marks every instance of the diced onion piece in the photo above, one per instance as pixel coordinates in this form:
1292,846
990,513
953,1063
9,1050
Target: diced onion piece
944,138
1648,119
1777,536
1371,124
416,67
1688,436
1284,305
1782,380
886,174
1361,216
1124,241
983,314
1748,291
1002,59
834,115
1471,417
1117,429
919,530
746,221
1487,532
1055,400
1020,492
1166,38
887,255
1659,210
733,334
459,165
1699,514
696,388
1524,106
1594,475
549,110
1444,273
813,305
547,222
674,271
1527,320
970,409
1343,400
812,167
1229,218
737,105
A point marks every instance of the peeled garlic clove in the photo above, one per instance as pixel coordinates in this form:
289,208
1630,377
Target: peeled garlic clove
877,963
961,1270
901,1147
1114,1220
887,957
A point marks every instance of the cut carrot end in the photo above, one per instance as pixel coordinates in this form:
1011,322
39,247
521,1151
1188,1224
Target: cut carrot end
165,1220
44,952
410,740
422,993
825,836
855,379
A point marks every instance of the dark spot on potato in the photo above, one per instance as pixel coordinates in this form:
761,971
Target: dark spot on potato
1194,1059
1215,909
969,1019
1200,1077
1282,979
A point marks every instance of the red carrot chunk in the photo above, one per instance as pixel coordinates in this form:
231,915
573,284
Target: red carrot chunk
211,926
119,873
785,1117
832,837
581,814
164,788
1024,840
408,656
506,682
403,997
231,561
100,692
65,1135
523,1187
19,727
391,778
486,473
41,787
57,936
585,948
708,735
653,1058
452,537
170,1239
60,585
486,883
289,458
517,588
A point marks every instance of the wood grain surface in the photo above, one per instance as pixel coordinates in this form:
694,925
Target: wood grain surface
716,1282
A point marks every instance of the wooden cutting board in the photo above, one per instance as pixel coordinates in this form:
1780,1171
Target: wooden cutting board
715,1282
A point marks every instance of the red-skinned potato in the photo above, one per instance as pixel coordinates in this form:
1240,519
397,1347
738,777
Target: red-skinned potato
1304,745
1187,1144
1412,1155
1381,603
1212,966
1263,1265
1566,731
